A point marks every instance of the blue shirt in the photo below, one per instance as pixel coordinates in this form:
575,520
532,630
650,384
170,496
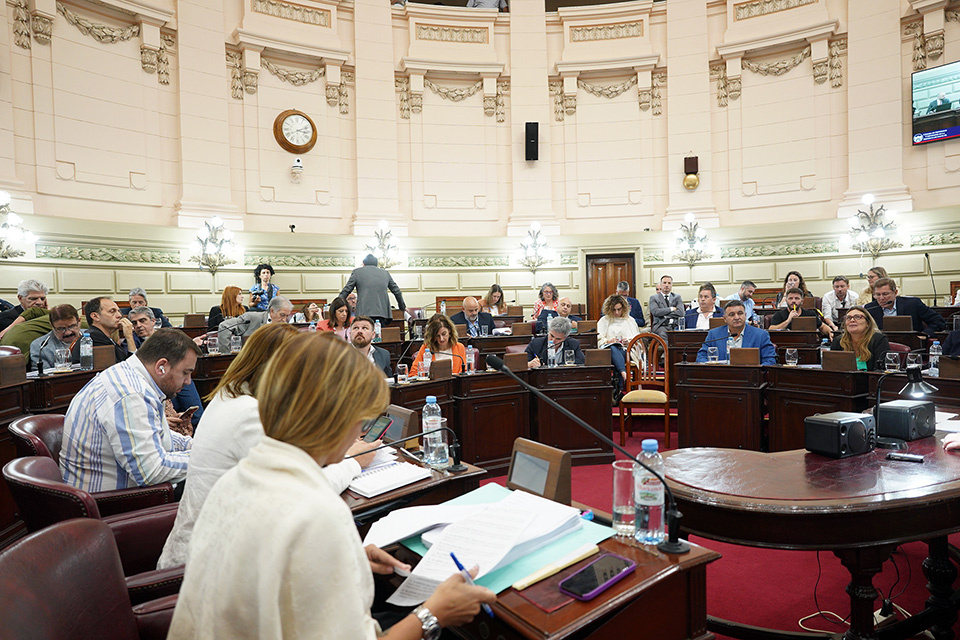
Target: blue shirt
747,306
266,295
115,434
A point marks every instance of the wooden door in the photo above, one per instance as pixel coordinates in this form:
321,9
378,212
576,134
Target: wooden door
603,274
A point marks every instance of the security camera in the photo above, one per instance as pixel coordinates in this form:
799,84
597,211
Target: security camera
296,170
297,163
293,228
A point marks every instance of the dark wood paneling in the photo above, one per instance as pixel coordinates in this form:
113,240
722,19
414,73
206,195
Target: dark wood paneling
603,274
720,406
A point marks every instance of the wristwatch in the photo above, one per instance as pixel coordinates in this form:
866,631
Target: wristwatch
429,625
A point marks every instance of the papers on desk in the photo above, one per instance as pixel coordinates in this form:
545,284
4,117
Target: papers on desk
490,538
503,331
405,523
947,421
375,481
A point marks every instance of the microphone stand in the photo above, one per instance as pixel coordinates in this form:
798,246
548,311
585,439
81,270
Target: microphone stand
686,349
40,355
673,544
456,467
932,281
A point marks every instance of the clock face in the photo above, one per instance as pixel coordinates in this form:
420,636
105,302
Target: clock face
297,130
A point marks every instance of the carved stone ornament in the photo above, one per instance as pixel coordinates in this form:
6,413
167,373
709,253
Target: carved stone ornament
42,28
402,86
502,87
167,44
556,90
21,24
236,75
653,256
746,10
766,250
148,58
295,12
489,105
454,94
570,103
934,239
607,32
659,81
97,31
288,260
734,86
567,259
416,102
345,78
778,68
458,261
250,79
644,96
294,77
609,91
951,16
332,92
821,70
106,254
719,73
451,34
934,45
915,29
837,47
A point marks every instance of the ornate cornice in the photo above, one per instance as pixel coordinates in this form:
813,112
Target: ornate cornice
458,261
105,254
288,260
653,256
766,250
569,259
616,31
295,12
451,34
747,10
934,239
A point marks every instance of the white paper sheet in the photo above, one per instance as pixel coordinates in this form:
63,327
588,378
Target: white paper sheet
945,421
404,523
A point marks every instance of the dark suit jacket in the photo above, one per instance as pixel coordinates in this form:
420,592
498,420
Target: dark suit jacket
382,358
636,311
951,346
545,316
484,319
690,318
8,316
100,339
538,349
879,346
919,313
372,284
157,313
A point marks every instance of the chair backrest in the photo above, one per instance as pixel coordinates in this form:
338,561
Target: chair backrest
69,584
644,353
38,435
42,497
9,350
541,470
901,349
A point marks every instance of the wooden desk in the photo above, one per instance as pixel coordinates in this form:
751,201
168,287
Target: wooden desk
860,508
678,343
209,371
53,393
491,411
720,405
14,403
807,344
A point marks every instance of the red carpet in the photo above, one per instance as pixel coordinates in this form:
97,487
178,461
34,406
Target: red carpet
765,587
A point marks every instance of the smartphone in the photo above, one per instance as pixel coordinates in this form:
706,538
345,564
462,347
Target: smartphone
375,429
188,414
597,576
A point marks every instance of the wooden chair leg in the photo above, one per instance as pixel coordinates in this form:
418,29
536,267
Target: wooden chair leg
623,440
666,426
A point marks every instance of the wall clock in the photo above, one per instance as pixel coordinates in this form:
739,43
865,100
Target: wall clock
295,131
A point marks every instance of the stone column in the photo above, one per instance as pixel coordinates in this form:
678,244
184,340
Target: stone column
875,115
688,111
8,174
204,124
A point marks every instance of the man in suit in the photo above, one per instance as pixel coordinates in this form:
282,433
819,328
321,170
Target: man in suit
707,308
475,319
951,346
361,335
940,103
783,317
372,284
138,298
666,308
279,310
744,336
559,338
564,306
886,302
636,311
103,318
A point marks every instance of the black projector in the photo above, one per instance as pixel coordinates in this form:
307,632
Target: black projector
907,419
840,434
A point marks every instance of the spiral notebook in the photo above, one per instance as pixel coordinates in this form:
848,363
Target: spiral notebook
387,478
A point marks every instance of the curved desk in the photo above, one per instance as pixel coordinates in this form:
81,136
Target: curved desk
860,508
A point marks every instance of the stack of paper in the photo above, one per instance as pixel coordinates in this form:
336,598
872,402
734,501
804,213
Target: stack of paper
373,482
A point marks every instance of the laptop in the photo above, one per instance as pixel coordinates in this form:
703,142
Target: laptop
897,323
745,356
804,323
839,361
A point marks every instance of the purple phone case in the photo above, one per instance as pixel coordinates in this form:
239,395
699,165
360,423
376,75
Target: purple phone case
604,586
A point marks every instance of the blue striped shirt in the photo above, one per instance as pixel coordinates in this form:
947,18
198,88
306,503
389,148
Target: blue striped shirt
115,435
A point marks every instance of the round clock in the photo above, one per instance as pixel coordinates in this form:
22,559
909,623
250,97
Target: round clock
295,131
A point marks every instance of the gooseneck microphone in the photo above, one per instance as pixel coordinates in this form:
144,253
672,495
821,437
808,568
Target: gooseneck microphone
406,349
40,354
932,281
687,348
456,467
673,544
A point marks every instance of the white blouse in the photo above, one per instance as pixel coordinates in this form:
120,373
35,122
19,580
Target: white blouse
610,329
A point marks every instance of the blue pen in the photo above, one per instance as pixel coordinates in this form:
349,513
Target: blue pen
466,576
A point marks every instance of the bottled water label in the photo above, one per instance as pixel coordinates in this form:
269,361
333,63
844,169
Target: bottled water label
648,491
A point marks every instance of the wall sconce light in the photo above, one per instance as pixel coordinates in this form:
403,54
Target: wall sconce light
383,248
871,231
296,171
12,231
214,246
691,170
534,252
692,242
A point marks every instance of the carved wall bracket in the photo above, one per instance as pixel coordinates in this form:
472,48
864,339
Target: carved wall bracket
42,27
345,77
556,90
934,45
645,96
236,74
718,72
149,58
659,81
837,47
21,24
503,86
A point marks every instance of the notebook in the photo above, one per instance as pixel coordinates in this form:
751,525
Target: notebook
387,478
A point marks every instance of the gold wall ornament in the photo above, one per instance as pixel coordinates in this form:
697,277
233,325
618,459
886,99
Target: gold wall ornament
691,181
692,244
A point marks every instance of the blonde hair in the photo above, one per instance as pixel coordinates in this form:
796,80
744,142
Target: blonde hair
862,348
613,301
867,293
244,372
229,306
314,391
432,332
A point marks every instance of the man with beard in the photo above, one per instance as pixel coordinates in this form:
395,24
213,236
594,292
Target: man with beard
65,323
361,335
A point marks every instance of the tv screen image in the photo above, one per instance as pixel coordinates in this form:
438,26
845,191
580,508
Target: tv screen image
936,103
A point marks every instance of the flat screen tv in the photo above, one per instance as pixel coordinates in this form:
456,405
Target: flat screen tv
936,103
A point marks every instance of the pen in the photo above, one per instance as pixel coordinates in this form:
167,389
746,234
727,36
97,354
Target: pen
466,576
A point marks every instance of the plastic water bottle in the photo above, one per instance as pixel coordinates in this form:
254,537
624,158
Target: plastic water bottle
730,347
648,495
472,359
86,352
935,352
824,347
425,364
551,355
443,307
434,444
376,331
312,327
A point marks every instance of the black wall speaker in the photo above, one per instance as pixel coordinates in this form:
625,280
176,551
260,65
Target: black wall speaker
907,419
840,434
532,141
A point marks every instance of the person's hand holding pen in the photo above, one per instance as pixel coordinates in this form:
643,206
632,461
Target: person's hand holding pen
457,601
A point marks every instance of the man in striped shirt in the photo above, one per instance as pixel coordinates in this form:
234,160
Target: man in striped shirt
115,435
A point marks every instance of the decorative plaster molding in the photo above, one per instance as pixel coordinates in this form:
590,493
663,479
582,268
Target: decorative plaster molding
568,259
21,23
734,87
454,94
489,104
345,77
653,256
659,81
556,90
416,102
915,29
402,85
295,12
779,67
503,86
821,71
934,45
837,47
167,44
645,96
105,254
236,74
934,239
951,16
288,260
766,250
616,31
719,73
458,261
451,34
42,28
294,77
148,59
97,31
250,80
747,10
332,93
609,91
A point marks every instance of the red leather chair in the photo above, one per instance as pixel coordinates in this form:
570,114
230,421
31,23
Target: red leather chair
38,435
10,350
901,349
69,584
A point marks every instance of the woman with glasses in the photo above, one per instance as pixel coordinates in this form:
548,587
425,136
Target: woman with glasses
862,337
874,274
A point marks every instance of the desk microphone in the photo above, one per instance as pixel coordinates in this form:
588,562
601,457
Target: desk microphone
673,544
40,354
406,349
456,467
932,281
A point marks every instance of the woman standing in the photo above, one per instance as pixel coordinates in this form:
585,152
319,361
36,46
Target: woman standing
231,306
262,292
440,337
548,299
863,338
615,329
493,302
339,320
793,281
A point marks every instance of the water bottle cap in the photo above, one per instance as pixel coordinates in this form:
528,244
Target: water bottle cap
650,445
936,342
431,399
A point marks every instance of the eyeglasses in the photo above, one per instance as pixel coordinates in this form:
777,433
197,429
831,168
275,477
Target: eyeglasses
63,330
857,318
